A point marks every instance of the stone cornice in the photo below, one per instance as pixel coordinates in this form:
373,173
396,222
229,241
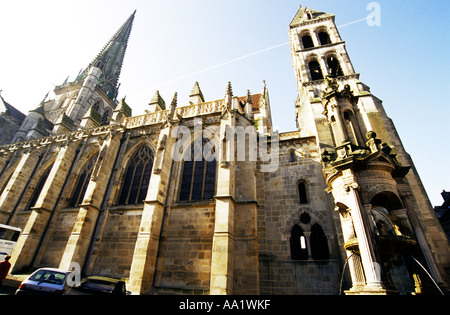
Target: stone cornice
62,139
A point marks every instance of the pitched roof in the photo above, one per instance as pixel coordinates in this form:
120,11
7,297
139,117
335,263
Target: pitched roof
11,110
302,16
256,100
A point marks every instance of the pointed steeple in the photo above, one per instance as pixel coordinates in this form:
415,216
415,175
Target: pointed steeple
110,59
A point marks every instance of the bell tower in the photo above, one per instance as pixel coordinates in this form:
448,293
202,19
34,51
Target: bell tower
318,52
384,213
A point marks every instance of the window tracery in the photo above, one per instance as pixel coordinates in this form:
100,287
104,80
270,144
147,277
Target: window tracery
137,177
199,174
83,182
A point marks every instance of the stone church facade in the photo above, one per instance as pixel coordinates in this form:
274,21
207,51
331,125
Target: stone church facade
205,198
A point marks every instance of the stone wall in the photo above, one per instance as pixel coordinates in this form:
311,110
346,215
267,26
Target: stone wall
59,235
115,252
184,256
280,209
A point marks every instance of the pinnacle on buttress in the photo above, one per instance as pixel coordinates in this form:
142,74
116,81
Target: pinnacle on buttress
196,95
157,99
229,91
228,96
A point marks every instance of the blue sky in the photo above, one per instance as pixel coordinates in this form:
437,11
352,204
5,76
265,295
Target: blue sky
177,42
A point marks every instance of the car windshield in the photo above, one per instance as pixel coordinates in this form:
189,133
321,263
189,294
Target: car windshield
48,276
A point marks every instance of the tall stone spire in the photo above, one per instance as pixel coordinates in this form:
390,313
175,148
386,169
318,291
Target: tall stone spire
110,59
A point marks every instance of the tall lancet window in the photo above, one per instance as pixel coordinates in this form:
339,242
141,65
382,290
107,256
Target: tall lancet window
137,177
199,172
334,67
83,182
315,71
319,243
38,189
299,250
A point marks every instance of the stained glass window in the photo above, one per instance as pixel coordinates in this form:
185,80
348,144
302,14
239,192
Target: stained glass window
137,177
83,182
38,189
199,175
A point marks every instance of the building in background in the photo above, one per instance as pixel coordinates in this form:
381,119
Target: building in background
205,198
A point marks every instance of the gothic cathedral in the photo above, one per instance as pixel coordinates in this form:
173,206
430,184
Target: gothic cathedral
205,198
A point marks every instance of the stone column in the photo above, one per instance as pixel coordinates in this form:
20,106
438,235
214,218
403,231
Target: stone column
31,235
17,183
354,261
372,268
80,238
222,260
146,249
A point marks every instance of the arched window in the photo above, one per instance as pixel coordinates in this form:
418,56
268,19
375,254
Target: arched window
38,189
351,126
106,116
98,105
199,175
302,192
99,64
299,250
316,72
137,177
292,157
307,41
334,66
83,182
324,38
319,243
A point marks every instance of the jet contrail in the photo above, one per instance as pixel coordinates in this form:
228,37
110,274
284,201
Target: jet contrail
235,59
218,65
